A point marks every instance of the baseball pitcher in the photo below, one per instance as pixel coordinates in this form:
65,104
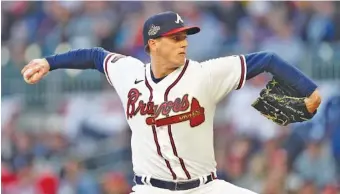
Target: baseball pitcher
170,103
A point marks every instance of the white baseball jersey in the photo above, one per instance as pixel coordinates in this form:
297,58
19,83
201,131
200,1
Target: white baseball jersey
172,120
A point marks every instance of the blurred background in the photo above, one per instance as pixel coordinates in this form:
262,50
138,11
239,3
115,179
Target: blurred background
68,134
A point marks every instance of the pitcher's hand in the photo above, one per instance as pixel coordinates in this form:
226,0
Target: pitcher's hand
35,70
313,101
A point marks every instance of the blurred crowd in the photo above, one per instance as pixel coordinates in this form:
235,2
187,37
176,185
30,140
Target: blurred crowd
83,146
227,26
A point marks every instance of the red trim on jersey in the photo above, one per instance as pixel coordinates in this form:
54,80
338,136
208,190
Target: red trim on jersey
105,67
176,81
169,126
150,88
175,153
160,153
242,73
213,175
156,140
155,134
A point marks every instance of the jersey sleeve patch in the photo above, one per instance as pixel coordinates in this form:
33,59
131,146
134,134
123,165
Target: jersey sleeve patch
111,58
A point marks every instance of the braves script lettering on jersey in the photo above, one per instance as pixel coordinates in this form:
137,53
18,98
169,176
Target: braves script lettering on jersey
172,120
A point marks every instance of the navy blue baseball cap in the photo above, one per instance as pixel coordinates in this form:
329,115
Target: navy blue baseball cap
165,24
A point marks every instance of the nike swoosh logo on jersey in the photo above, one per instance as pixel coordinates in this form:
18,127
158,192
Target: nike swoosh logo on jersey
138,81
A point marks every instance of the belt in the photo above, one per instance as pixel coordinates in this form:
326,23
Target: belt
173,186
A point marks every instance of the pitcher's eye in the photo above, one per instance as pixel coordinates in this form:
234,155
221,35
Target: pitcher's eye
175,38
179,37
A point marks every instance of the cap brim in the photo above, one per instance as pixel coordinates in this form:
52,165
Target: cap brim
190,30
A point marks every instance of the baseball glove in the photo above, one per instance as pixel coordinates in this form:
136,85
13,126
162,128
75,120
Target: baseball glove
282,104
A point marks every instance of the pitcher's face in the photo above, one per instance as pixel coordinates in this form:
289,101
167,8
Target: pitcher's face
172,49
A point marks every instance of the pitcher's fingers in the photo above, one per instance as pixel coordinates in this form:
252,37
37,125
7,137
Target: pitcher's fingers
29,65
25,68
41,74
30,71
36,77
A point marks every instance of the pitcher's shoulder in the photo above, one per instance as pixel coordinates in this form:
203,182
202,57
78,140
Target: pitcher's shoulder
122,63
223,59
193,64
128,60
125,62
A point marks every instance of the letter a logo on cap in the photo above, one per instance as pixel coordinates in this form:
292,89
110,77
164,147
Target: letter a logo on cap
178,19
